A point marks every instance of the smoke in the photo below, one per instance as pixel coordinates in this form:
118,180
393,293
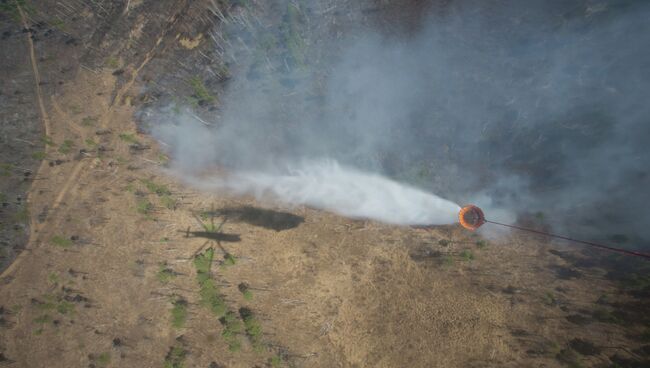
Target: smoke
348,192
534,108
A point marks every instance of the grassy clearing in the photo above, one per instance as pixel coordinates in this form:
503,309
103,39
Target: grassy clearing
179,313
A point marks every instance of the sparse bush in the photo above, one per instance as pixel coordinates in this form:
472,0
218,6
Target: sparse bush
252,327
448,260
467,255
201,93
62,242
66,146
169,202
112,62
232,327
56,303
90,143
47,140
245,290
165,274
89,121
480,244
275,361
144,207
605,316
6,169
129,138
103,358
444,242
228,260
549,299
53,278
39,155
158,189
179,313
22,215
43,319
645,336
175,358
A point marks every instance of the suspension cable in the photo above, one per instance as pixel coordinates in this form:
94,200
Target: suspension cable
593,245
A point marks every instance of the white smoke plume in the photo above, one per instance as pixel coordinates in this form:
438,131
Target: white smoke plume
329,186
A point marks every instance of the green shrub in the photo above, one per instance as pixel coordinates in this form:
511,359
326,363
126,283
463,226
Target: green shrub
208,290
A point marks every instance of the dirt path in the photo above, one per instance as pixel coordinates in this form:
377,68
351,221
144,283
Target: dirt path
34,226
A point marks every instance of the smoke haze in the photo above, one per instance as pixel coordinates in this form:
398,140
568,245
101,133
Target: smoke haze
537,108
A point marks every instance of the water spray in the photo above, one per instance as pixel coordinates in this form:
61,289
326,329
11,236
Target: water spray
471,217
